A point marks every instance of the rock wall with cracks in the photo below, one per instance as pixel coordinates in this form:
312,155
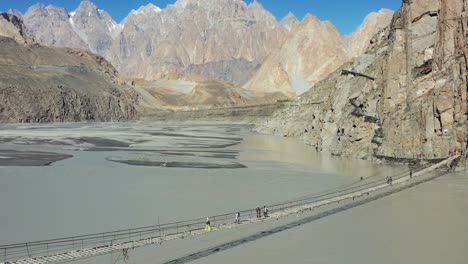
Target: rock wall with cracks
415,101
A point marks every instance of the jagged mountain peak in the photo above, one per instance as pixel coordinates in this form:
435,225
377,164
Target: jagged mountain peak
290,15
89,9
50,26
289,21
256,10
309,18
12,26
87,4
310,21
313,49
386,11
381,14
146,9
142,17
206,3
94,26
49,10
38,6
255,4
16,13
359,40
86,8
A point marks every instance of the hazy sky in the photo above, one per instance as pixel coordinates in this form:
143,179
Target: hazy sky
346,15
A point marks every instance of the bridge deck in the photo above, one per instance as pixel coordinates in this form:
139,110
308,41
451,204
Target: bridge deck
38,253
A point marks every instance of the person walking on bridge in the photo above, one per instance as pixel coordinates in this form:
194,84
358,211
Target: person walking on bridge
265,211
237,218
208,224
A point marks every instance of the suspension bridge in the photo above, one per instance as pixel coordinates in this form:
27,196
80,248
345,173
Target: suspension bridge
86,246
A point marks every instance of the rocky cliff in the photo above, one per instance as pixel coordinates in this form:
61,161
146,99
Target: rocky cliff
44,84
405,98
12,26
312,51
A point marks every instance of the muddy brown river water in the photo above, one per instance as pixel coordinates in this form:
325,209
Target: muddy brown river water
104,177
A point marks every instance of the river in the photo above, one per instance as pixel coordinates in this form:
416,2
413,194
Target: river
111,176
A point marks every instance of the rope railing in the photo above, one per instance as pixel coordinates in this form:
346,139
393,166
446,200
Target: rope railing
50,247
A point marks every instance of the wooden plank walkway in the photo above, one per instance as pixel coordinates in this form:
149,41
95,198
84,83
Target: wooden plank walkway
107,249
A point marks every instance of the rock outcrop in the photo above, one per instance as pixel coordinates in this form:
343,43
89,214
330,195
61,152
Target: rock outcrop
405,98
12,26
45,84
312,51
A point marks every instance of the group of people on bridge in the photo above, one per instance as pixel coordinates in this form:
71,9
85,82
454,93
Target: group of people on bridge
390,180
237,220
260,211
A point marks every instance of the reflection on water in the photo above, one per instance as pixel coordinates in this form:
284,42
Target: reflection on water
291,150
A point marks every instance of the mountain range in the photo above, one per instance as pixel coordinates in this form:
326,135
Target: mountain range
225,40
222,39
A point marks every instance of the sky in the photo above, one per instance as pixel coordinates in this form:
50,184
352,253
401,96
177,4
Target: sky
346,15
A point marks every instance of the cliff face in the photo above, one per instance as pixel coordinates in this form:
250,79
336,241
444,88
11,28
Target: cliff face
313,50
50,26
424,106
410,100
43,84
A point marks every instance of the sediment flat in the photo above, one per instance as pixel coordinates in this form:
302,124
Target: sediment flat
29,158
